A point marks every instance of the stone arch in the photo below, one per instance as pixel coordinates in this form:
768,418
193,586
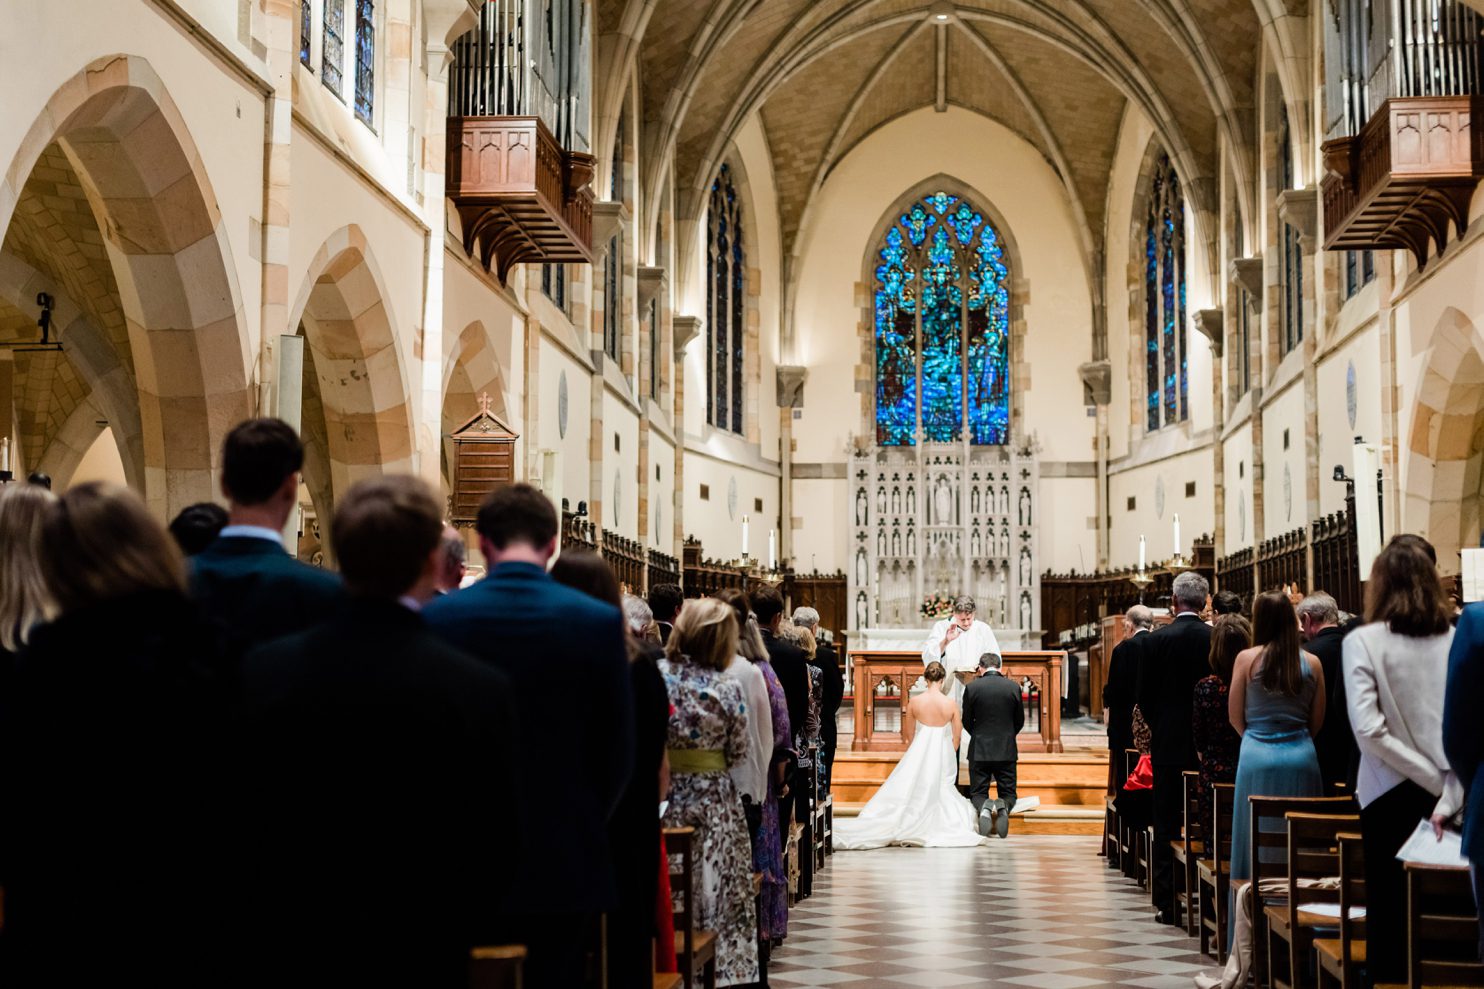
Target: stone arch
472,368
72,442
1019,290
168,249
1444,452
356,420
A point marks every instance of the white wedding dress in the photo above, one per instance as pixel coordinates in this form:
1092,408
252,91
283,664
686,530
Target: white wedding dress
918,804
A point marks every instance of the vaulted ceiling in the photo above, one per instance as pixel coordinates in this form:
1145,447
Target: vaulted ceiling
823,74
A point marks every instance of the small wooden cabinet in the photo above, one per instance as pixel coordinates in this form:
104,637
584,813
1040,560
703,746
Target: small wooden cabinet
483,459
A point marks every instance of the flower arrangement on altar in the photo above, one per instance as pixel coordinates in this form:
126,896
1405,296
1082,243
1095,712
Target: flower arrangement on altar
937,606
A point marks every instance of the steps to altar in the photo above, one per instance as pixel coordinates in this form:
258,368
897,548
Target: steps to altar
1070,785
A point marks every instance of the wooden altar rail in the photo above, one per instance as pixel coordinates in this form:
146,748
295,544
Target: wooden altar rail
902,667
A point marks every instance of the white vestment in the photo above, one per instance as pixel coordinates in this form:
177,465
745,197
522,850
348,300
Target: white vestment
963,652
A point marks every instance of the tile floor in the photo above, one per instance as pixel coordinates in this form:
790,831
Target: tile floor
1036,911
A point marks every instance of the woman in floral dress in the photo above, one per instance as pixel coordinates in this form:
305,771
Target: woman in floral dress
1216,741
708,733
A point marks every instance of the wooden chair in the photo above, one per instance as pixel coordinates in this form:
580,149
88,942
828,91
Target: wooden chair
1339,958
1313,853
1186,852
1214,871
1127,833
496,966
695,950
819,822
1268,854
1442,927
668,980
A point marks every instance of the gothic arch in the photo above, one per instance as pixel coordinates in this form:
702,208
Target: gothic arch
168,249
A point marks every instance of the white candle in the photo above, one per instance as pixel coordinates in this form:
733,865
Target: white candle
772,549
1141,553
5,453
744,537
1177,536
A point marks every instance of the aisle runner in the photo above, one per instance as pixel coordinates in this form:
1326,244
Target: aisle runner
1037,910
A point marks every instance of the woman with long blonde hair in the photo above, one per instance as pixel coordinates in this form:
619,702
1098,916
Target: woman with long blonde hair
24,601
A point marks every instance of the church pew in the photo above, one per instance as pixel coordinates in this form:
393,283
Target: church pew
496,966
695,949
1442,927
1213,873
1313,853
1186,851
1341,957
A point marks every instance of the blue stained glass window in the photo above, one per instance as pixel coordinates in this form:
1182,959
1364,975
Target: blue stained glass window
942,311
306,29
1166,362
365,59
332,47
726,300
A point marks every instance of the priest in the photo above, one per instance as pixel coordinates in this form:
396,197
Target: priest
958,642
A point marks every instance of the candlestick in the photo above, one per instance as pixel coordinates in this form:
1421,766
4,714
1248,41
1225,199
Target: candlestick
744,537
1177,537
1141,554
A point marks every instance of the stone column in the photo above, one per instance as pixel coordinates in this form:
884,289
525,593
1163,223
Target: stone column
1097,390
1247,274
790,387
1212,325
1299,208
280,34
683,330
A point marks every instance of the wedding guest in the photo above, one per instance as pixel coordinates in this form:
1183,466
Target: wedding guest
361,742
1463,740
1216,742
808,738
111,844
245,581
750,774
197,526
639,619
452,561
536,632
1120,693
40,479
24,600
634,828
1396,669
665,601
708,735
792,669
828,662
1172,661
1339,758
767,838
1226,603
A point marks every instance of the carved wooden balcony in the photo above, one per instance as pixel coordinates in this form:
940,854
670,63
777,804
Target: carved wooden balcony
1409,173
520,197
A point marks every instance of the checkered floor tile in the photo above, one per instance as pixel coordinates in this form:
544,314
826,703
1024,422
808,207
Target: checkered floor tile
1041,912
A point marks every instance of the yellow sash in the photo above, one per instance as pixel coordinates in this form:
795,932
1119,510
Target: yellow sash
698,761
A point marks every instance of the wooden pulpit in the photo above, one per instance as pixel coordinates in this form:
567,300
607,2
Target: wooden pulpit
483,459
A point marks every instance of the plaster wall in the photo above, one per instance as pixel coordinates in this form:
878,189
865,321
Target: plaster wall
1159,493
1237,471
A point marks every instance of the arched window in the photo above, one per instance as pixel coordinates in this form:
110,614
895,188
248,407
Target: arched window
365,60
942,327
1165,360
1291,253
726,304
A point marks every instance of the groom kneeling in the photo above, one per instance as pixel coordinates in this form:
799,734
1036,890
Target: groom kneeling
993,716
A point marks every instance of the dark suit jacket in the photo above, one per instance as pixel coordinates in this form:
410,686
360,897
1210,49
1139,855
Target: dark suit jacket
113,843
1463,727
790,664
256,592
1173,660
571,767
1339,756
833,683
1121,693
376,764
993,716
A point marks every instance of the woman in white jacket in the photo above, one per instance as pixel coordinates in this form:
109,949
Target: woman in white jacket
1396,671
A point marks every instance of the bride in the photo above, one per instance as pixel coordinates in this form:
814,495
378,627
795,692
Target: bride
919,803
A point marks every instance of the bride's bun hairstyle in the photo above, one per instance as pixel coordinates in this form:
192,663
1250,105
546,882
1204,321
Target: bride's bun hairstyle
934,672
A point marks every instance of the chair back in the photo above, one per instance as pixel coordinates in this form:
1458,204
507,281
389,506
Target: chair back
1268,834
1442,927
1194,833
496,966
1223,806
1352,898
680,851
1313,853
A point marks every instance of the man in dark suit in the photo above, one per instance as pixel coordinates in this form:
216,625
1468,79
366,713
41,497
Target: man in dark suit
993,716
832,684
453,563
1339,756
665,601
245,581
1173,660
792,667
564,655
1120,693
1463,739
376,762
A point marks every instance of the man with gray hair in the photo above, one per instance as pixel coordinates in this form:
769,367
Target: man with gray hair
1120,693
451,561
1339,757
832,686
1173,660
958,642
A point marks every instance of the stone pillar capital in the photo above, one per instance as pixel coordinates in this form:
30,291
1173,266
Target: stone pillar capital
1246,274
1097,381
686,329
651,282
1210,322
791,380
1299,208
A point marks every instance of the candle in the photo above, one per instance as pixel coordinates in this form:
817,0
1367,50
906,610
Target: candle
1177,537
772,549
5,453
744,537
1141,554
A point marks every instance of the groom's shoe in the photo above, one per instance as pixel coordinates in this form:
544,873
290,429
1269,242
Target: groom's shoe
1002,819
986,819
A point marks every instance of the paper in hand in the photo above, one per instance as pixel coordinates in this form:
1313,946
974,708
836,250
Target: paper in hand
1424,847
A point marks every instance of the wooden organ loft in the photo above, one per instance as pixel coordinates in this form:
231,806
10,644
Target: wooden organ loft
518,162
1404,82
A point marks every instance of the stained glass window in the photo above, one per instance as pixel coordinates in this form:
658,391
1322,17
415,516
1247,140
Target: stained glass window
1166,362
554,284
615,172
365,59
726,304
611,302
332,48
942,313
1292,252
306,29
654,348
1360,271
